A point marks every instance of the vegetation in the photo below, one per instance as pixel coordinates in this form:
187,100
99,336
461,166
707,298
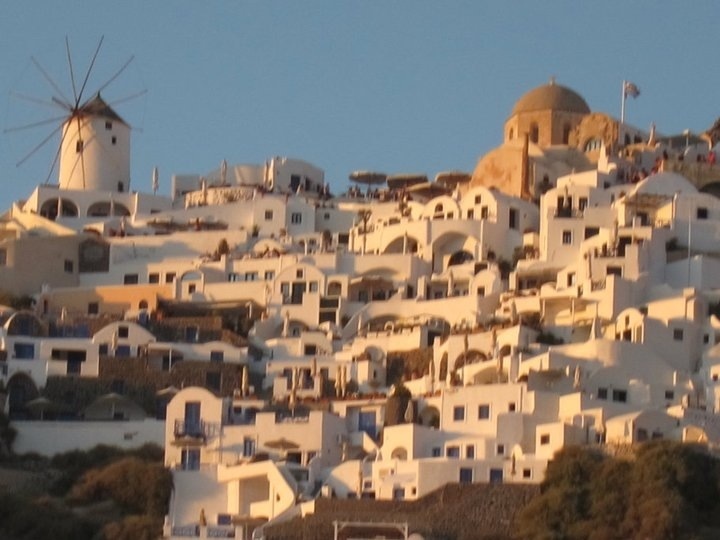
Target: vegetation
104,493
668,491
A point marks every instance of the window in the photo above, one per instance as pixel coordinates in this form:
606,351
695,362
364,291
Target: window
483,412
326,216
466,475
269,275
191,288
527,473
123,331
706,339
470,451
398,493
602,393
513,218
545,438
251,276
470,213
511,406
614,271
459,413
435,452
130,279
154,277
93,308
478,199
582,203
669,394
500,450
453,452
248,447
78,146
534,132
619,396
567,237
678,334
571,279
108,125
296,218
169,277
481,291
484,212
190,459
268,215
24,351
591,231
217,356
68,266
313,286
224,519
299,274
702,213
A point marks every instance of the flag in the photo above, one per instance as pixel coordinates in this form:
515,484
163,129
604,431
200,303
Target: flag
631,89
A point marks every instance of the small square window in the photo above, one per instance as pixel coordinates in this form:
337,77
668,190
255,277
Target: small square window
269,275
678,334
619,396
93,308
478,199
567,237
217,356
702,213
69,266
192,288
483,412
313,286
470,451
435,452
268,215
130,279
545,439
326,216
169,277
154,277
108,125
471,213
511,406
113,139
484,212
453,452
500,449
706,339
296,218
123,331
669,394
299,274
602,393
527,473
459,413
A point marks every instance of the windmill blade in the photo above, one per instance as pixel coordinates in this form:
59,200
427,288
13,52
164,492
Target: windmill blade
87,75
38,146
50,80
72,73
13,129
38,101
117,74
56,158
62,104
129,98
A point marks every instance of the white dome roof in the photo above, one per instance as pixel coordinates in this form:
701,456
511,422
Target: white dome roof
664,183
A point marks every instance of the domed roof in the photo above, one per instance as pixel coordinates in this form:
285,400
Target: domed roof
551,97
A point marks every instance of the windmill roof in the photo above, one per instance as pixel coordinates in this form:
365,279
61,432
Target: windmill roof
97,106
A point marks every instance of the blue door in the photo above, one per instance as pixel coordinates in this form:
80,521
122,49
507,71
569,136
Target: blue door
496,476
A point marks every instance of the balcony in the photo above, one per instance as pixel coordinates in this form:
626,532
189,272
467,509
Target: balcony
194,431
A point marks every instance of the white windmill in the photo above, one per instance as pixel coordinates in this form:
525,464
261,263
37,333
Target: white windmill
94,148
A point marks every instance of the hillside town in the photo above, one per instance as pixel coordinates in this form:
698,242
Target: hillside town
285,342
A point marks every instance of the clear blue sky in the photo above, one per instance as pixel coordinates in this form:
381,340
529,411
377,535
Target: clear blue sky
395,86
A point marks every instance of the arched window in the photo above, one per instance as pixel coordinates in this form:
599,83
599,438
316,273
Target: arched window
511,134
334,288
534,132
566,134
593,144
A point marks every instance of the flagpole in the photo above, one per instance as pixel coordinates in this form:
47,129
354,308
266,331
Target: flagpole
622,103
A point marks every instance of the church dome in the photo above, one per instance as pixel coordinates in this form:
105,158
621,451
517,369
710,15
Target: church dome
551,97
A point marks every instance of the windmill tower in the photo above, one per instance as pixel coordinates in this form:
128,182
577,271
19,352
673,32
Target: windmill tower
95,149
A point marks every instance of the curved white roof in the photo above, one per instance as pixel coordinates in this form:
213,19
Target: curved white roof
664,183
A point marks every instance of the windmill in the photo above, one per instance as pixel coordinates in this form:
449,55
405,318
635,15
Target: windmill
94,148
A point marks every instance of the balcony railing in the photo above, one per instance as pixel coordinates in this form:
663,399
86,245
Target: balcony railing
194,429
